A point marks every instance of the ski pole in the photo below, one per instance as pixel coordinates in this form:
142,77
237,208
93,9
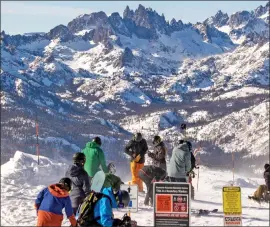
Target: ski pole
198,173
37,144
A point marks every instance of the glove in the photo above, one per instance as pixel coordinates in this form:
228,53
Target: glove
117,222
126,221
190,173
126,218
138,157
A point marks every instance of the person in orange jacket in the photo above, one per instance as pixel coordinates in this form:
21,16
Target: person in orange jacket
50,202
136,149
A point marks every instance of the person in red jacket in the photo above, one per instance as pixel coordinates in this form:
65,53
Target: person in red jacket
50,202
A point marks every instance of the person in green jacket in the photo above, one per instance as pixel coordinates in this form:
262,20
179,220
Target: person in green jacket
94,158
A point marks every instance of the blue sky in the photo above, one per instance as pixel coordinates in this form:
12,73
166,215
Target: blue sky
19,17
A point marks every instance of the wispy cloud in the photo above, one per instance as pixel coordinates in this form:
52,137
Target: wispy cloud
28,8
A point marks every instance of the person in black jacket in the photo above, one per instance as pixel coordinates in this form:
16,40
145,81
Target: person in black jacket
80,181
136,149
263,191
159,155
149,175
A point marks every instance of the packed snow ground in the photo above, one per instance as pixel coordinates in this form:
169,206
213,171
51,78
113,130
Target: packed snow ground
22,179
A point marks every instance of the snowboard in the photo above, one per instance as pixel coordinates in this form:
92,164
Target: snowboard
133,223
98,181
201,212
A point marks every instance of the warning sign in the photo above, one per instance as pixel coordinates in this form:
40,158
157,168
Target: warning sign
133,193
172,204
231,220
164,203
232,201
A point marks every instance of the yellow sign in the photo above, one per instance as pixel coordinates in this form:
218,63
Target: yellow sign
232,200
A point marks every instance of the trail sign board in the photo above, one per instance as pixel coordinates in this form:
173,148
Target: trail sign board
232,200
232,220
133,193
232,206
171,204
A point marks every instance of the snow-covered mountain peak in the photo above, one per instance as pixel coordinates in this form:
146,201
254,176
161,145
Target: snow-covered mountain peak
243,26
220,19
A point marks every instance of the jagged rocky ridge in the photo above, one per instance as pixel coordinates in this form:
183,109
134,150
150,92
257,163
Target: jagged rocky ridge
90,77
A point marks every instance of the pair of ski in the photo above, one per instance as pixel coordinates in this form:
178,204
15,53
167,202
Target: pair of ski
258,200
202,212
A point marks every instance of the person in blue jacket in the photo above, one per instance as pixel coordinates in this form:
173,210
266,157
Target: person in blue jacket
103,212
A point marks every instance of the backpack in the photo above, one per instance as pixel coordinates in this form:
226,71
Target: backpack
193,161
86,209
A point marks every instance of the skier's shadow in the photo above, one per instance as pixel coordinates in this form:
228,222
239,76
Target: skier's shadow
220,204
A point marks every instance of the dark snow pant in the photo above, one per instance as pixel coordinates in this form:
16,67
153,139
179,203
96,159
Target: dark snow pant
74,210
149,194
174,179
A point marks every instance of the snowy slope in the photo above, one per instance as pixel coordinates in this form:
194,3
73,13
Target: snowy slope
20,187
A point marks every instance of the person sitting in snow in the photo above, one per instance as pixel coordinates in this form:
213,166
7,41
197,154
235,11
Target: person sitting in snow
80,180
97,209
111,180
50,203
263,191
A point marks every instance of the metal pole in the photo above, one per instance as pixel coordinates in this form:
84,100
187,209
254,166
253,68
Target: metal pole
198,173
37,144
199,161
233,167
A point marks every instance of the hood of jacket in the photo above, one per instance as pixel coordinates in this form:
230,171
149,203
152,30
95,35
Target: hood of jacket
75,170
184,147
58,190
161,144
109,192
92,145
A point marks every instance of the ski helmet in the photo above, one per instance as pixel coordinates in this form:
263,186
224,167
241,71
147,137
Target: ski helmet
122,198
112,168
97,140
79,158
266,166
138,137
66,182
157,140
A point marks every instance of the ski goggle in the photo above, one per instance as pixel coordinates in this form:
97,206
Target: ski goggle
119,199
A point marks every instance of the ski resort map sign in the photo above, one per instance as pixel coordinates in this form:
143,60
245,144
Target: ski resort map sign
232,206
133,193
171,204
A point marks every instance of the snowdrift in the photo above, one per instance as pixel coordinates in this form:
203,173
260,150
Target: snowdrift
22,179
24,169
